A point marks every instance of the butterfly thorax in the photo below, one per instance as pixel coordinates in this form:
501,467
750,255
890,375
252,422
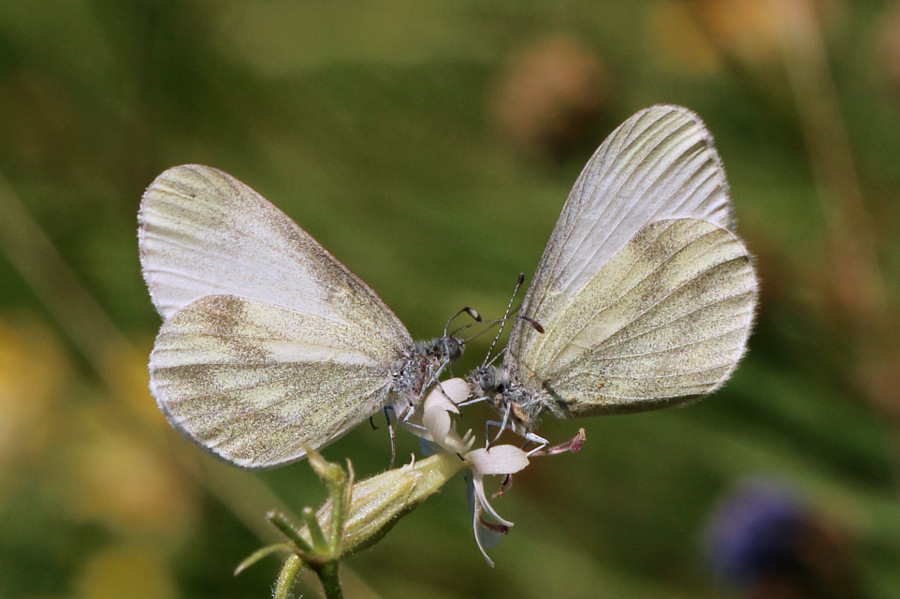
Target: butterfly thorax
521,406
419,367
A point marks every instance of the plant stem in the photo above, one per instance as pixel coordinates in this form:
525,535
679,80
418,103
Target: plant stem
328,574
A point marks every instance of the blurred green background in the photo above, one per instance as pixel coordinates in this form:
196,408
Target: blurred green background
429,145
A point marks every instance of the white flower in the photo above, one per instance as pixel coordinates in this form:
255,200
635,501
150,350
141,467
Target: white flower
438,411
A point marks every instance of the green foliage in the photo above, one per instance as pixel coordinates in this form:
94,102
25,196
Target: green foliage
372,128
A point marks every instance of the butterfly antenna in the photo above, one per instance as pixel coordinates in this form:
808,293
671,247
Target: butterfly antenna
534,324
470,311
487,358
490,323
486,325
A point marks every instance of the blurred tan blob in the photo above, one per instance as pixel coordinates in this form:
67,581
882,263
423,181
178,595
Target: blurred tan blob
698,35
548,97
747,29
125,571
109,476
34,375
879,374
889,47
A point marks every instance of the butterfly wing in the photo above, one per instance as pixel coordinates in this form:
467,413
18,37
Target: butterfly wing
658,165
253,382
666,319
203,234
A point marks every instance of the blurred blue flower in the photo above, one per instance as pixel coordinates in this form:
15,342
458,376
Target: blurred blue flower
768,543
757,532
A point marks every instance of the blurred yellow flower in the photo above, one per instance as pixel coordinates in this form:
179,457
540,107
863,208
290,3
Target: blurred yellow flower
130,382
125,571
33,376
111,477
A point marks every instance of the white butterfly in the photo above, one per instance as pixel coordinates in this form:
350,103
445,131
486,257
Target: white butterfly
645,295
268,342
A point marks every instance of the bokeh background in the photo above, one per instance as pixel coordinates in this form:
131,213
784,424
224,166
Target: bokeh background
429,145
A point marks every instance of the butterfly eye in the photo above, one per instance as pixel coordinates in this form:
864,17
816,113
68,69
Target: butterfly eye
452,347
485,378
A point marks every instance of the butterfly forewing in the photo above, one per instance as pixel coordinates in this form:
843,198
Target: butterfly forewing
659,164
253,382
666,319
203,232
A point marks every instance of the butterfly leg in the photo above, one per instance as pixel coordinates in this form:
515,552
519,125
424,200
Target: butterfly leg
390,424
435,377
501,426
469,402
540,443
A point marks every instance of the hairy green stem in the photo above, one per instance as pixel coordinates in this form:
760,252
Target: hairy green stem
328,574
286,577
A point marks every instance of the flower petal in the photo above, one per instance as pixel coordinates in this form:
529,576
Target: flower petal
436,421
481,500
456,389
438,400
436,411
500,459
476,528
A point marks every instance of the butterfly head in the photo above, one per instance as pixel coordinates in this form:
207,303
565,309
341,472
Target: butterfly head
519,408
421,365
446,348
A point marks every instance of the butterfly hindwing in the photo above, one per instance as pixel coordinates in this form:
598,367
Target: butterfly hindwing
666,319
252,382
